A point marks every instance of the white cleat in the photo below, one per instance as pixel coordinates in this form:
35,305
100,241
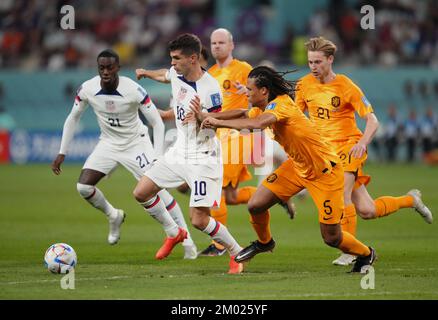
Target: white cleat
190,252
114,227
420,207
344,259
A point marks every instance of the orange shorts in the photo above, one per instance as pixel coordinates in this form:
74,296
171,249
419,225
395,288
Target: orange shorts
354,165
327,191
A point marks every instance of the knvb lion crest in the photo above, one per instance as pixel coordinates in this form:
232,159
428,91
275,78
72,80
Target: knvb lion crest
226,84
336,102
272,177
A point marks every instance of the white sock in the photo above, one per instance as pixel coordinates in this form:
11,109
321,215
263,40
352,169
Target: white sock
157,210
219,233
96,198
176,213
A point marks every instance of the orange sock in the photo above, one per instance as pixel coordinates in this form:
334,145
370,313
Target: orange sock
349,220
220,215
244,194
387,205
351,245
260,223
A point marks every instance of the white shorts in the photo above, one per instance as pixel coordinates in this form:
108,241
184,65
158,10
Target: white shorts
137,157
204,179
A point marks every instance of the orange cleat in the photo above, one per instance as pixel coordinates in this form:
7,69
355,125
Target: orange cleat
170,243
235,267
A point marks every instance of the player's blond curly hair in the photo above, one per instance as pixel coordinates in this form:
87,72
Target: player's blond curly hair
321,44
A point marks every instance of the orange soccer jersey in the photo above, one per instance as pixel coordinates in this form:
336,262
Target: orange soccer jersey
299,137
312,162
235,170
332,107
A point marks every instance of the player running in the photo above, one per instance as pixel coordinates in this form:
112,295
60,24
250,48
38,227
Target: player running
124,140
195,157
332,100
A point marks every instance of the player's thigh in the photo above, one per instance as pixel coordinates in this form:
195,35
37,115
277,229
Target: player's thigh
283,182
327,192
165,174
349,181
138,158
102,159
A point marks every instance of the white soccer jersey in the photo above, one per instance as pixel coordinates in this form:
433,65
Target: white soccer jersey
116,112
192,144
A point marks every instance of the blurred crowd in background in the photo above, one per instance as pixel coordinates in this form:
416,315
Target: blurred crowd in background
406,31
405,34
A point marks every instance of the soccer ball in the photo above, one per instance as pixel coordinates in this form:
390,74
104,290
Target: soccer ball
60,258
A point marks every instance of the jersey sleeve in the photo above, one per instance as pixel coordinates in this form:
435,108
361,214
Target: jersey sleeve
254,112
213,100
171,73
277,109
299,97
142,97
359,102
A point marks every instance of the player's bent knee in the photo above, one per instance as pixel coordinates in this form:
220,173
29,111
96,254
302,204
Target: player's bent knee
332,240
85,190
254,207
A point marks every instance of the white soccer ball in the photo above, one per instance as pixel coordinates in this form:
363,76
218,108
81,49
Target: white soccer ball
60,258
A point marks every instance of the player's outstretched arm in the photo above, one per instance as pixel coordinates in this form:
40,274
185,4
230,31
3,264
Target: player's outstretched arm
157,75
260,122
68,133
195,107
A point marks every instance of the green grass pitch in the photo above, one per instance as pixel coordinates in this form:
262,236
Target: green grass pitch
38,208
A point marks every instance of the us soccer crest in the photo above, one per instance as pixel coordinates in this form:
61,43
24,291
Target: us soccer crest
110,106
181,94
336,102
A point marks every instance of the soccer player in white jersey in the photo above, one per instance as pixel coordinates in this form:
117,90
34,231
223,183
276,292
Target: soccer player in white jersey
124,140
195,157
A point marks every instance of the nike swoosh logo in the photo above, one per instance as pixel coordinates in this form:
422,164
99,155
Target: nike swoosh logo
324,218
196,200
309,100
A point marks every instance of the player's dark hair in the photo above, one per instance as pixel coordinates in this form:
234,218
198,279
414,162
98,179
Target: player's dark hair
188,43
109,53
274,81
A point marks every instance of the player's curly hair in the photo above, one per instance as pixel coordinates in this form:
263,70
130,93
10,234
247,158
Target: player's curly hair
274,81
188,43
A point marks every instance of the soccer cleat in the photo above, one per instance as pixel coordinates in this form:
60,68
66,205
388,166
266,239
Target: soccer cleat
362,264
289,206
420,207
114,227
344,259
170,243
253,249
212,251
235,267
190,252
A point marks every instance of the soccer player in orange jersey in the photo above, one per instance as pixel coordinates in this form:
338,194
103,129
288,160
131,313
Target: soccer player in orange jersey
332,100
313,164
232,76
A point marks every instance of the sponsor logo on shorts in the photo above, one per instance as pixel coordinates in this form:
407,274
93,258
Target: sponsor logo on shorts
272,177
